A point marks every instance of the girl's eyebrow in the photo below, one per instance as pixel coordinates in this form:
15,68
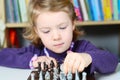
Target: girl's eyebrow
44,28
47,27
62,23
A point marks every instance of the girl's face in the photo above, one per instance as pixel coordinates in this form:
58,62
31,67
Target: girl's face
55,30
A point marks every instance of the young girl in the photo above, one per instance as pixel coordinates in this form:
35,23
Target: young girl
54,37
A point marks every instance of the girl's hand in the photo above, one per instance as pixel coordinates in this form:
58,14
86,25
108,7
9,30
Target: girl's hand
43,59
76,61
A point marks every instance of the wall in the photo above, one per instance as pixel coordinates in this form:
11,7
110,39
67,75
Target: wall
106,37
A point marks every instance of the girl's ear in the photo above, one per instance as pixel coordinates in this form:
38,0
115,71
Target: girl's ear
74,25
35,29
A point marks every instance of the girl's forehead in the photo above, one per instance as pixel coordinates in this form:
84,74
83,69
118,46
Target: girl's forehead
52,18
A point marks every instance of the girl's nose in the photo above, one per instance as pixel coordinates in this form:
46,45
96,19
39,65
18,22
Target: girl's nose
56,36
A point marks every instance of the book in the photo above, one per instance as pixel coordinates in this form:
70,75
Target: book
101,10
88,7
23,10
16,11
12,38
111,5
77,10
27,2
9,11
84,10
106,5
119,9
2,32
95,10
115,9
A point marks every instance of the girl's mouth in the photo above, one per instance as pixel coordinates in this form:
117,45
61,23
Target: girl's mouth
58,45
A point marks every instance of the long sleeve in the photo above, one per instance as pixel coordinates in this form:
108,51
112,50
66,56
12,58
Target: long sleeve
102,61
17,57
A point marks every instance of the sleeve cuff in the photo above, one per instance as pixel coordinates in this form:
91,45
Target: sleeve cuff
34,58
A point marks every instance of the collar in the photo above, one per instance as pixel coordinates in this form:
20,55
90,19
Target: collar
47,53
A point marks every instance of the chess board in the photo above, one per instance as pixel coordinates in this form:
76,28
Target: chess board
88,77
54,73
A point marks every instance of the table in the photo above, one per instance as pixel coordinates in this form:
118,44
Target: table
22,74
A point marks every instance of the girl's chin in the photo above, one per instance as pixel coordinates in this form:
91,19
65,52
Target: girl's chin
59,51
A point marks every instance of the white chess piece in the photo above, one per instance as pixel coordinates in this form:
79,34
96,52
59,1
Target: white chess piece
40,75
47,76
69,76
55,74
77,75
2,33
32,76
84,75
62,76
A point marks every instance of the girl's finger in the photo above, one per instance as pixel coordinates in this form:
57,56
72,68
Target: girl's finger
68,65
81,66
76,65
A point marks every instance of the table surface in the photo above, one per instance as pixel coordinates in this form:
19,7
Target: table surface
22,74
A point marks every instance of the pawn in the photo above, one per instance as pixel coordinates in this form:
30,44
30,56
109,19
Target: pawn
41,75
55,74
47,75
77,75
84,75
45,66
32,76
69,76
39,66
44,70
62,76
52,65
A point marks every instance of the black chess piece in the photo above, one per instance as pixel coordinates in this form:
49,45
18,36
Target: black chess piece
52,65
39,66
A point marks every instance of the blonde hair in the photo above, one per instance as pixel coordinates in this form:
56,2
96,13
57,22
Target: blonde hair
35,6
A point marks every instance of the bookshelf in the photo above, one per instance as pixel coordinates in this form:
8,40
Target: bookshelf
84,23
23,25
2,10
79,24
96,23
16,25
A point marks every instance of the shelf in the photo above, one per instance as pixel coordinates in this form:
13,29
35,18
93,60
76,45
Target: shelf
90,23
16,25
86,23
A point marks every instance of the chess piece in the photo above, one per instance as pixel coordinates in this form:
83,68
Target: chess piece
47,76
41,75
52,65
77,75
55,74
46,67
36,73
69,76
51,69
32,76
84,76
39,66
62,76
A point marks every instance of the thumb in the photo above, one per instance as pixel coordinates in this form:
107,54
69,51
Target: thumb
69,52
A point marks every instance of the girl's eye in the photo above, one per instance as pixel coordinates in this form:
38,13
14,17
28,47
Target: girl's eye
63,27
46,32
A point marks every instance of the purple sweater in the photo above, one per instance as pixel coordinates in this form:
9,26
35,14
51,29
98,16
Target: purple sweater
102,61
